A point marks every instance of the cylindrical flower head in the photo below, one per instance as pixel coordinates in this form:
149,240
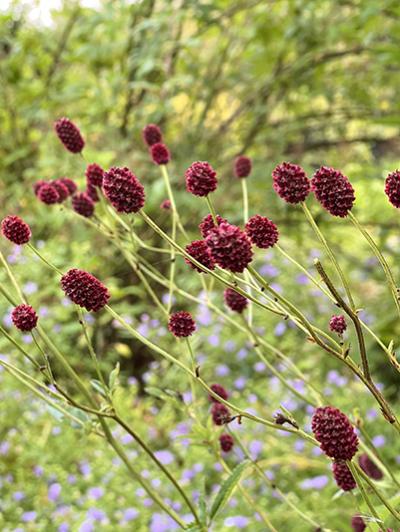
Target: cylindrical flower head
230,247
24,318
358,524
199,250
71,186
85,290
220,414
123,189
160,153
92,192
369,467
343,476
207,224
62,190
334,432
226,442
69,135
94,175
262,231
181,324
83,204
36,186
48,194
152,134
16,230
235,301
290,182
166,205
219,390
338,324
333,190
392,188
201,179
242,166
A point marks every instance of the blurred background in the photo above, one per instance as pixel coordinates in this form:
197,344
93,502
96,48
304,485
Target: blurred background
311,82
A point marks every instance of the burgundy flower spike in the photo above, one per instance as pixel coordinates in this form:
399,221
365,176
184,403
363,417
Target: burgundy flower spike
69,135
219,390
201,179
181,324
24,318
333,190
262,231
343,476
290,182
160,153
242,167
199,250
85,290
235,301
207,224
230,247
16,230
152,134
226,442
392,188
338,324
334,432
83,204
123,189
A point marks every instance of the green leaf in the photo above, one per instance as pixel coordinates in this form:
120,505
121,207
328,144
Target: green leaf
227,488
113,378
97,385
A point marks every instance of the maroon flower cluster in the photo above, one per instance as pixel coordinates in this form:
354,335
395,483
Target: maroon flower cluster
16,230
55,191
69,135
262,231
94,175
71,186
151,134
334,432
392,188
85,290
181,324
166,205
160,153
290,182
199,250
83,204
333,190
219,390
48,194
235,301
207,224
369,467
230,247
358,524
201,179
343,476
123,189
242,166
226,442
24,317
62,190
338,324
220,414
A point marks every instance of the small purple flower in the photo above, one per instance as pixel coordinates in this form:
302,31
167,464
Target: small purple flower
165,457
317,482
96,492
27,517
255,448
130,514
237,521
302,279
87,526
379,441
240,383
54,492
222,370
213,340
19,496
280,329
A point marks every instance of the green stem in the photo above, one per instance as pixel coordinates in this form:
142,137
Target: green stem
245,200
212,210
330,253
43,259
363,491
12,278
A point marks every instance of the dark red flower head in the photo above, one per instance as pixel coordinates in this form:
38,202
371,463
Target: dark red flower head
160,153
334,432
61,188
69,135
123,189
219,390
92,192
199,250
290,182
181,324
369,467
242,166
235,301
343,476
220,414
152,134
24,318
338,324
333,190
16,230
48,194
358,524
230,247
226,442
392,188
71,186
36,186
83,204
262,231
85,290
94,175
207,224
166,205
201,179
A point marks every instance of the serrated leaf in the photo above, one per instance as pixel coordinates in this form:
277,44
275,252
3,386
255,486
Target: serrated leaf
227,488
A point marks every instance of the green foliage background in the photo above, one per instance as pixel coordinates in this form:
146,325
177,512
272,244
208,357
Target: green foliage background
313,82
